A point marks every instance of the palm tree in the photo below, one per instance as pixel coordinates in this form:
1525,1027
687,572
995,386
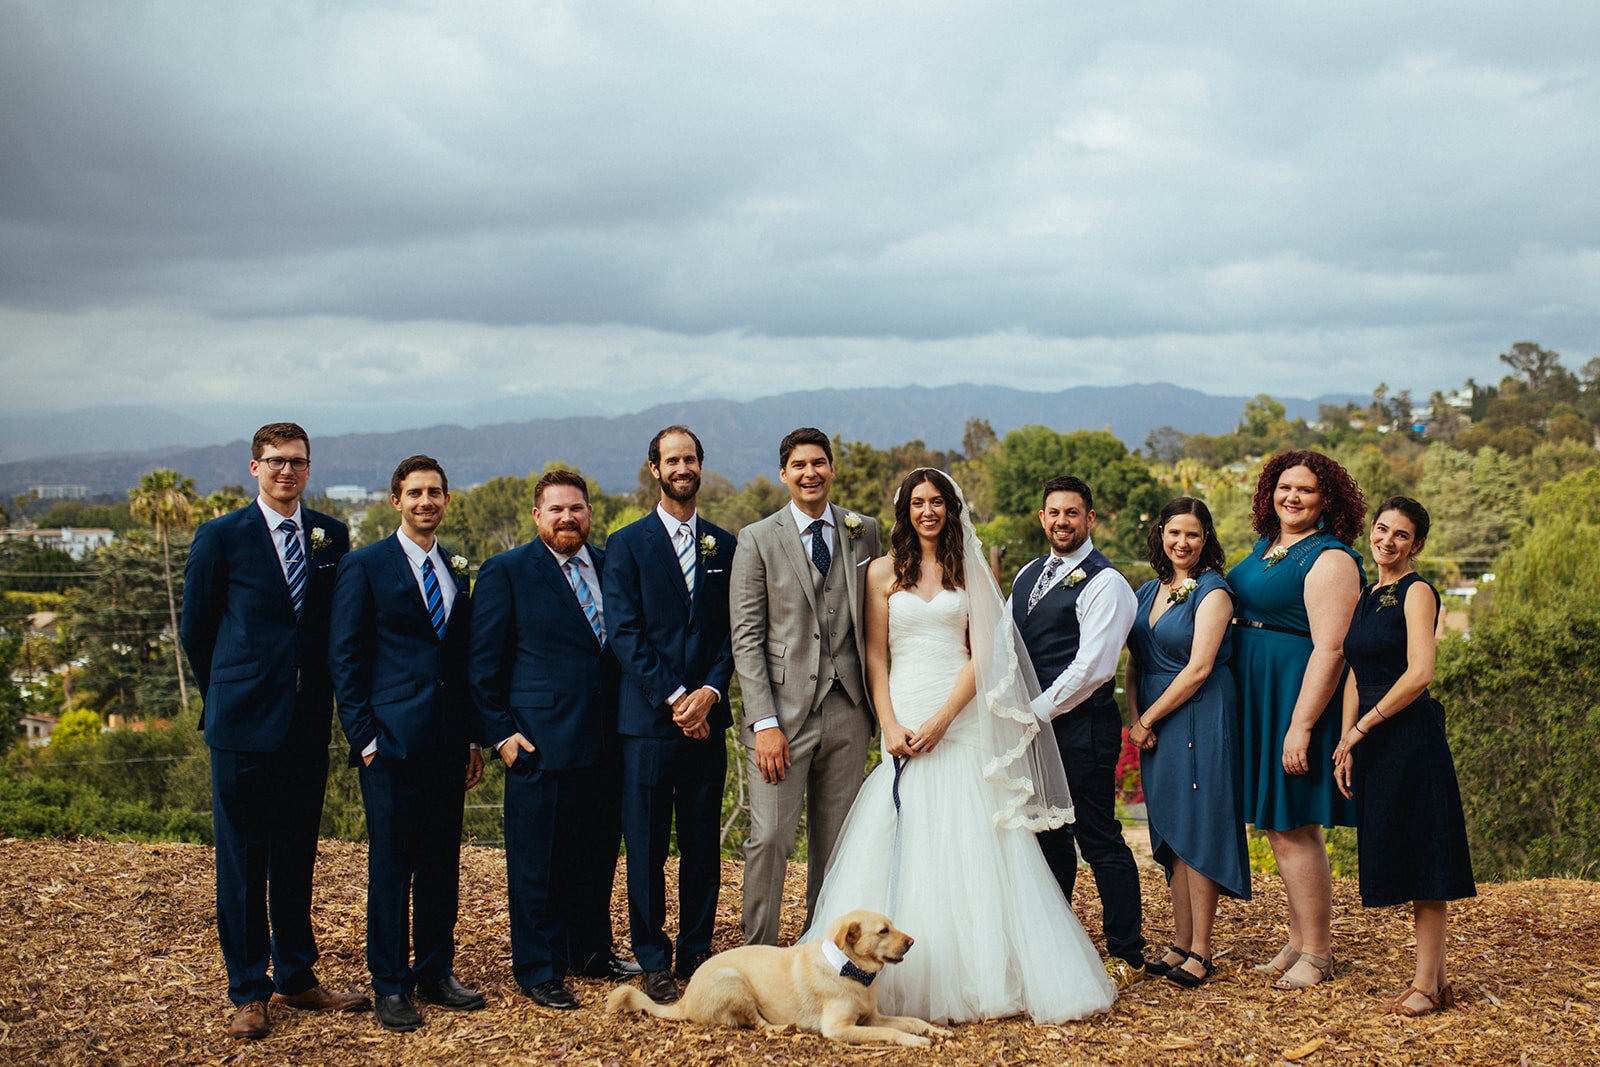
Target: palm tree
165,500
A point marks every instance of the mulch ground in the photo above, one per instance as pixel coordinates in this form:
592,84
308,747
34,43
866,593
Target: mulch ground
108,956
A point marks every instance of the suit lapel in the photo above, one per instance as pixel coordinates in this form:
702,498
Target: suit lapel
262,536
410,592
789,537
667,557
846,556
545,565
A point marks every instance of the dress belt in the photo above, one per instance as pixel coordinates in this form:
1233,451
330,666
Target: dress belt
1269,626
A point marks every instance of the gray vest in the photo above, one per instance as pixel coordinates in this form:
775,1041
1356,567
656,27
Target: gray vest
837,656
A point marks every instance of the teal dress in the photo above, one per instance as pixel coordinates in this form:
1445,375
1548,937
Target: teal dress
1269,664
1192,779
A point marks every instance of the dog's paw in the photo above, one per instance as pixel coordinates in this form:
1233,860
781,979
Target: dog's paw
939,1031
913,1041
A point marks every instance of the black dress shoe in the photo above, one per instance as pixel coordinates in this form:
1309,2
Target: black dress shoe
449,993
609,966
397,1013
659,987
553,994
686,967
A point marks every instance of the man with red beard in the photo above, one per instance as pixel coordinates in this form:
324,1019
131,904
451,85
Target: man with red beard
545,682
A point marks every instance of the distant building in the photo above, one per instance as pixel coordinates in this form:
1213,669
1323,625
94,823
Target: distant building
350,494
76,542
38,728
59,492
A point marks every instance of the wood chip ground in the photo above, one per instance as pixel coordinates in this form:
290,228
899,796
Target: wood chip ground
108,955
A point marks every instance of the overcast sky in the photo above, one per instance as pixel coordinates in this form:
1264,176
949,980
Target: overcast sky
368,215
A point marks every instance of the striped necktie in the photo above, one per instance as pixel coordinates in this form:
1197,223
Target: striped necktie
1046,577
685,543
591,610
430,589
294,564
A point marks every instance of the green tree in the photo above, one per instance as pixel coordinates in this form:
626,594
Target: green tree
77,725
165,501
1125,493
121,617
490,516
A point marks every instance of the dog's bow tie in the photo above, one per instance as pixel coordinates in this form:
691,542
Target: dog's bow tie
837,958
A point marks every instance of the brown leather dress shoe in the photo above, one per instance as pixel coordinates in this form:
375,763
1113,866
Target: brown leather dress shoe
251,1021
321,998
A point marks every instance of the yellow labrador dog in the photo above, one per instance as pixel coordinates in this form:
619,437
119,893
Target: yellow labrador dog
823,986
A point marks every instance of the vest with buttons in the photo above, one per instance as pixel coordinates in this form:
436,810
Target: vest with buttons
837,656
1050,631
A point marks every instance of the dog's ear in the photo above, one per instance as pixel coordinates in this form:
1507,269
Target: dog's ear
852,933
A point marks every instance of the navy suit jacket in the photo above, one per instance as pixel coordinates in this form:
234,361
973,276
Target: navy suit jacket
534,665
394,678
244,643
662,639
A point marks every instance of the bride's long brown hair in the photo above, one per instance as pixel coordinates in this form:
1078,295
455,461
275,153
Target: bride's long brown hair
905,549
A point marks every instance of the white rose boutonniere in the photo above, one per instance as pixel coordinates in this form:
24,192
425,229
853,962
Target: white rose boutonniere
853,525
458,566
1181,591
1276,556
708,546
319,539
1074,578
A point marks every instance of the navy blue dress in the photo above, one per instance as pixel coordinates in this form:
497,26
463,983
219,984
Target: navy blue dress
1412,842
1194,777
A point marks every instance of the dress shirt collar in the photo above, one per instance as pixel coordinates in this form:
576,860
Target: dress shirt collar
581,555
804,521
1074,561
274,518
416,553
671,522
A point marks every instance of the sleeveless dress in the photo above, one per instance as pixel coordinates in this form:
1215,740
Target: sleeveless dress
1412,837
1269,666
1193,778
994,936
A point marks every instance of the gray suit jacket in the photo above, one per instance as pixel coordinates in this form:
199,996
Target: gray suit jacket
776,632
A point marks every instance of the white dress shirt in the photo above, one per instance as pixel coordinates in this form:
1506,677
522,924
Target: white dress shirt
1106,607
273,519
672,525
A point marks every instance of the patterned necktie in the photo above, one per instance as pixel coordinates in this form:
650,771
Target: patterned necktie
1046,579
294,563
430,590
591,610
819,546
685,543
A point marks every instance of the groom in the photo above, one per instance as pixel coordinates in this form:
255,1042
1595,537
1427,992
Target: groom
1074,611
799,586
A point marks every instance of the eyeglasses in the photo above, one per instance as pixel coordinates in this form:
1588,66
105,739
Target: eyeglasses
277,463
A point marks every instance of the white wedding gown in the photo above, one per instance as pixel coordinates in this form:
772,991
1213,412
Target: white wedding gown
994,936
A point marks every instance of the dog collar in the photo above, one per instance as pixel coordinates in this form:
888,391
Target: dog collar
837,958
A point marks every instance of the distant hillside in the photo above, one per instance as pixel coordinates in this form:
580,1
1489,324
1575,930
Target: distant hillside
741,437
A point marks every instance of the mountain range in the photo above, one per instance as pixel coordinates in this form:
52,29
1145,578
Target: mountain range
740,437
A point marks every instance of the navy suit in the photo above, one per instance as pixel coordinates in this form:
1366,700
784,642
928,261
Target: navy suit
400,684
537,669
665,639
268,715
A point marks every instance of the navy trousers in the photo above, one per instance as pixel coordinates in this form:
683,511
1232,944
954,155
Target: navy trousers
663,778
266,810
413,868
1090,739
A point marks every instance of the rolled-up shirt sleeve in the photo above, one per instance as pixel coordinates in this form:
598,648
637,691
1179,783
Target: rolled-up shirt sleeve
1105,615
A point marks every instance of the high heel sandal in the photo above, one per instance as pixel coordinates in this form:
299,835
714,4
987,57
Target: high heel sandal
1161,968
1292,954
1188,979
1323,967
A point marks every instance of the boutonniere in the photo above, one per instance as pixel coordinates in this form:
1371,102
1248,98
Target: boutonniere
1181,591
1074,578
708,546
319,539
1387,600
853,525
458,566
1276,556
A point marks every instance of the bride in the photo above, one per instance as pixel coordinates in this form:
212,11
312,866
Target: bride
941,836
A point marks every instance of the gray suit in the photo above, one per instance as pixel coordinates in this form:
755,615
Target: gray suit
793,633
